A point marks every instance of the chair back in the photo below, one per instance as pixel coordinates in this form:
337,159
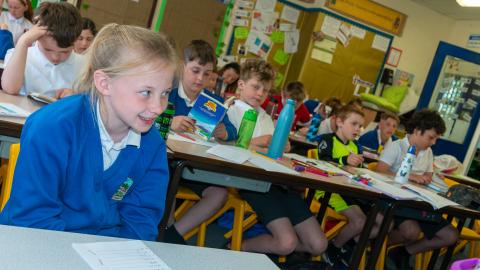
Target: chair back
7,184
372,166
312,153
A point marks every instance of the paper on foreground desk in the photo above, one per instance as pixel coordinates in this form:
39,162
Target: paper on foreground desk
25,248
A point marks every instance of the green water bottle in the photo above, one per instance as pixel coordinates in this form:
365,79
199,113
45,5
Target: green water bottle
164,120
246,129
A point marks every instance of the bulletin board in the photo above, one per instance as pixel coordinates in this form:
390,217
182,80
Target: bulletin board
331,69
287,24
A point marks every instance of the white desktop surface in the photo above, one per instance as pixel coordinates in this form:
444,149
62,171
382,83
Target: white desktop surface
25,248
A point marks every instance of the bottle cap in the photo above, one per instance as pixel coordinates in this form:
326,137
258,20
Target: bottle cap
412,149
250,115
291,102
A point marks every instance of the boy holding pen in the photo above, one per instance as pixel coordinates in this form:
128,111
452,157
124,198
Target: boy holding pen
342,148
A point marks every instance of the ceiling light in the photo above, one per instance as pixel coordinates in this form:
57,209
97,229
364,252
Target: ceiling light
469,3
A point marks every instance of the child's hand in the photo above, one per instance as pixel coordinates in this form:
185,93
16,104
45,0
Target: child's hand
32,35
354,160
61,93
3,26
261,141
303,131
182,123
420,179
220,132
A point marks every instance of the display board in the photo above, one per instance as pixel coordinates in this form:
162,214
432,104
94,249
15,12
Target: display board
347,54
266,29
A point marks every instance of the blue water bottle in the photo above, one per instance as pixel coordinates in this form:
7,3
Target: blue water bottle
313,129
282,130
404,171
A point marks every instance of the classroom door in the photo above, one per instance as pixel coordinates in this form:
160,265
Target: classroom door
453,89
185,20
135,12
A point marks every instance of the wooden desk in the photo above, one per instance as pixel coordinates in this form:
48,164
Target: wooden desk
195,156
25,248
12,126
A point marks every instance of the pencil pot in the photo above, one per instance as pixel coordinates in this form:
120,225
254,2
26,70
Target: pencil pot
247,126
282,130
164,120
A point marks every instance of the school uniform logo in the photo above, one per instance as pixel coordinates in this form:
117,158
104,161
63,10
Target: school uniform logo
122,190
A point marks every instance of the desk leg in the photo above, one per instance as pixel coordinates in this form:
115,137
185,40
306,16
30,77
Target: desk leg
448,255
172,190
323,206
382,234
362,242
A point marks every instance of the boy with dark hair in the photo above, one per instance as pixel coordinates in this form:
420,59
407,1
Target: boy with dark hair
295,91
49,66
425,127
199,61
286,215
378,138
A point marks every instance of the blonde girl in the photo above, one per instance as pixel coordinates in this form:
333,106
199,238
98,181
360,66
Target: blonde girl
92,163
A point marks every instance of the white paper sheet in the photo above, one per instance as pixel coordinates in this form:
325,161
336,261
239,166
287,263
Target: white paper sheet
380,43
432,198
290,14
119,255
8,109
231,153
267,5
264,21
358,32
269,165
291,41
191,139
290,27
330,26
258,43
246,4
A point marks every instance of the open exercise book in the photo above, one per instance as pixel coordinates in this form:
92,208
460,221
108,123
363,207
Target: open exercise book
119,255
8,109
409,191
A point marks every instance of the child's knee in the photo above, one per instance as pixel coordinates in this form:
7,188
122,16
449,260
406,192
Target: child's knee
449,235
318,245
217,194
410,230
286,244
358,223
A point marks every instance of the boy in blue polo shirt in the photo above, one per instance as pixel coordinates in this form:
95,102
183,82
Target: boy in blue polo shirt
199,61
378,138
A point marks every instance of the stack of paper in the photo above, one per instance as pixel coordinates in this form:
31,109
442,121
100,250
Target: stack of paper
119,255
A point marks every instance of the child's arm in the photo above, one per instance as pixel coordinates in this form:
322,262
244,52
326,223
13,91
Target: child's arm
143,208
220,132
261,141
423,179
13,75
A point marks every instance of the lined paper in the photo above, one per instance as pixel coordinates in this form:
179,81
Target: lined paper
119,255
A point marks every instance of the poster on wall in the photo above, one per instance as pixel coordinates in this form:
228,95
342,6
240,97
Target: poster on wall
473,41
403,78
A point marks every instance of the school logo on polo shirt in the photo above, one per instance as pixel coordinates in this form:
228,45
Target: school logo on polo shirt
122,189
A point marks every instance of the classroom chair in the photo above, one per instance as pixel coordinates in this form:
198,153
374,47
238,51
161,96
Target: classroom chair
234,201
7,183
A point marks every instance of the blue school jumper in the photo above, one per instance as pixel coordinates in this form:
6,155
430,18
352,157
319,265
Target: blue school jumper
60,184
370,139
6,42
181,108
